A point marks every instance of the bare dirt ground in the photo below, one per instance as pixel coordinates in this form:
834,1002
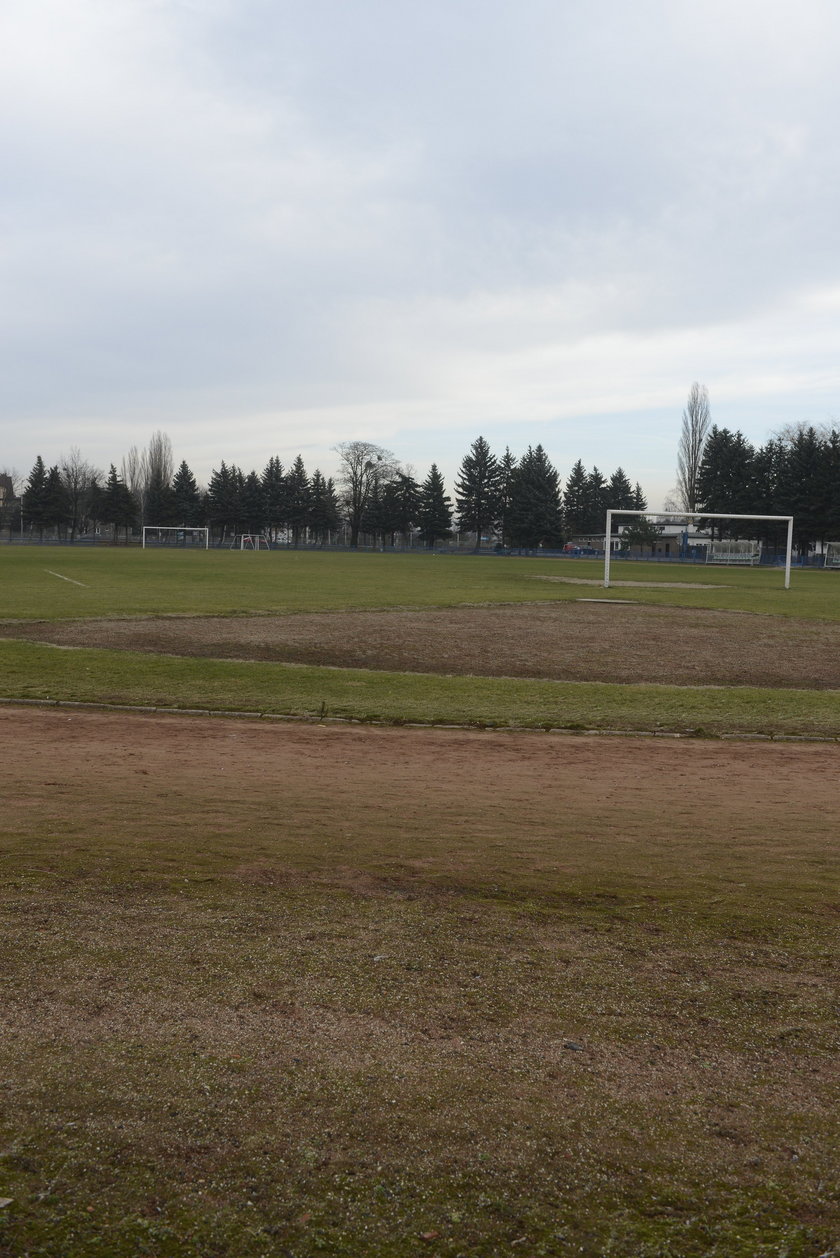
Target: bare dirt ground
574,641
415,786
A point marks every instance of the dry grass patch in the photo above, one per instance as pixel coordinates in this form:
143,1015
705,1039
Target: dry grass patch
561,641
385,992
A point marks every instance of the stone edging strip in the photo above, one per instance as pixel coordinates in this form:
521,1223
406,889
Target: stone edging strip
316,719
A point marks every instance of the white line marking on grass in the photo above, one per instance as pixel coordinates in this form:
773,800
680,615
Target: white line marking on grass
70,579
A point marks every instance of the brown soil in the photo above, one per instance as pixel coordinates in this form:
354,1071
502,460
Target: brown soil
581,641
442,795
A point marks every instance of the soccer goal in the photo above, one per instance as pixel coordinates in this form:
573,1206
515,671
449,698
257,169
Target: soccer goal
697,515
175,535
831,558
250,541
730,551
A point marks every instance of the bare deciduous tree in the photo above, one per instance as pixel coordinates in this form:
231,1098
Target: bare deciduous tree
696,419
362,466
11,488
134,476
149,472
160,464
77,476
788,433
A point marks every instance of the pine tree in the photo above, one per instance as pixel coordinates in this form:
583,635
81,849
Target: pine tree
254,516
95,500
401,500
297,500
159,505
57,513
434,514
595,499
619,491
478,491
35,508
223,496
805,488
832,458
375,521
534,516
118,506
726,478
186,499
575,502
274,489
323,508
619,495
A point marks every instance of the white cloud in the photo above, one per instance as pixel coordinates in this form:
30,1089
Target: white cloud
414,223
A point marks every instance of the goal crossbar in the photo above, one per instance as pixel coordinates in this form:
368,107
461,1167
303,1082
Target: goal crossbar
696,515
183,529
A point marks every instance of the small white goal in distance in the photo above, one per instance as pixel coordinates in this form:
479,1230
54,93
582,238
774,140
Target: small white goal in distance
831,558
250,541
174,535
730,551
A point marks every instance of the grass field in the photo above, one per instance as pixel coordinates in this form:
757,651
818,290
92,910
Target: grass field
281,988
116,584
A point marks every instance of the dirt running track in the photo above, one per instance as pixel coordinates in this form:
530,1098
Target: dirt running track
337,798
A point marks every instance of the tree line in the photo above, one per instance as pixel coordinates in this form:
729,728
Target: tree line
796,474
503,500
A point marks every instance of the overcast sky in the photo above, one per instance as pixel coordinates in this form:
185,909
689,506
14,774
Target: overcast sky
266,227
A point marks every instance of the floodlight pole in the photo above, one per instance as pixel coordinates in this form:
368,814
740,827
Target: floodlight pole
697,515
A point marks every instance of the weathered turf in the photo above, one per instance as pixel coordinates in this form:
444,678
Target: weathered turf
241,1018
34,671
246,1015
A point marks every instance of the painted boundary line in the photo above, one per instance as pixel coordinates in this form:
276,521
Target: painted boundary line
70,579
316,719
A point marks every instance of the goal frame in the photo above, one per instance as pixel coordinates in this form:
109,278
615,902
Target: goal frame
696,515
178,528
250,541
835,556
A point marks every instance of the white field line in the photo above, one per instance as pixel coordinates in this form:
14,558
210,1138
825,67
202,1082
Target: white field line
70,579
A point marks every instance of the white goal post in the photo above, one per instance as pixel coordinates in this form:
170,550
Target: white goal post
250,541
175,535
696,515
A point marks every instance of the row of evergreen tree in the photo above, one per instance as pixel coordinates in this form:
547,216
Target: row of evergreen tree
513,502
796,473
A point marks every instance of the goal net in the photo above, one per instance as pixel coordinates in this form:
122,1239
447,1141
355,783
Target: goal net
250,541
175,535
832,555
730,551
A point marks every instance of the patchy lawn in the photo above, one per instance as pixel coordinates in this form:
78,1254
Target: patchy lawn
387,992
